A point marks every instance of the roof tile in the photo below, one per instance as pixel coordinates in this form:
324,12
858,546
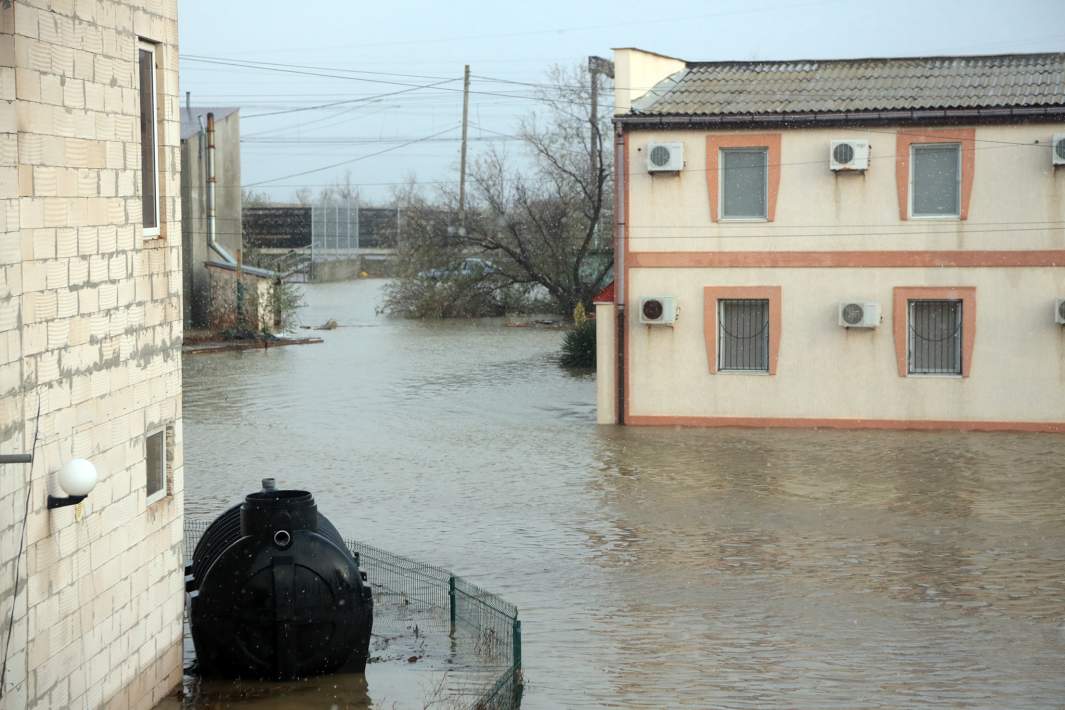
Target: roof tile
828,86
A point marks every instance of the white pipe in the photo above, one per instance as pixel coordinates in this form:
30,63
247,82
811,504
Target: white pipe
212,180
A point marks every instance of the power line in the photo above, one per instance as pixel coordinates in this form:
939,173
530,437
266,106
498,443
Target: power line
376,97
363,141
352,160
206,58
245,65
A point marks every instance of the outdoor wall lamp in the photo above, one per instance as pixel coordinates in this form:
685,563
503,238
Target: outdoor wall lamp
76,478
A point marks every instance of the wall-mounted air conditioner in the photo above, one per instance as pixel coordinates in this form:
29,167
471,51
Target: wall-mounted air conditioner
665,157
658,310
1059,311
859,314
1057,150
848,155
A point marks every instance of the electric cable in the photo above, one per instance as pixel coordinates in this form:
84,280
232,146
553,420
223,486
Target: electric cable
21,546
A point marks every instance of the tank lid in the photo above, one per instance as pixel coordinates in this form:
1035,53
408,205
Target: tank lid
268,512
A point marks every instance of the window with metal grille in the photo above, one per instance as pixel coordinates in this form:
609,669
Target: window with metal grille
743,335
149,147
744,183
935,180
935,337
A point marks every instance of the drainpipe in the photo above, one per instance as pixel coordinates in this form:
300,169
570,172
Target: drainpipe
620,179
212,180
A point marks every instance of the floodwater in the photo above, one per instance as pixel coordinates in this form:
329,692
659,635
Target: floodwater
656,567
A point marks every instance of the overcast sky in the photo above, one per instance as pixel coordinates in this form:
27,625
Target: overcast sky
368,49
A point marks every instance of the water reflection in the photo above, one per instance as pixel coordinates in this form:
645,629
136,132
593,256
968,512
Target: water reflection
657,567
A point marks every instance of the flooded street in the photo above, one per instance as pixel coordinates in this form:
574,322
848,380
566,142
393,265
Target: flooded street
655,567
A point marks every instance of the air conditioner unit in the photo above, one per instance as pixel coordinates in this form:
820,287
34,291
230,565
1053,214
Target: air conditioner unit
1059,311
857,314
665,157
658,310
848,155
1057,149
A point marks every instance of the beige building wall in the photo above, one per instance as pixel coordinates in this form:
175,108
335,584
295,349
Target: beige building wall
606,358
1018,197
827,374
196,253
90,329
636,71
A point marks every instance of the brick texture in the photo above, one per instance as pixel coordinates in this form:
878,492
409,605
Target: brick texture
90,331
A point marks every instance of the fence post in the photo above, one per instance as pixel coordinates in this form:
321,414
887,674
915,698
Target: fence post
451,598
517,643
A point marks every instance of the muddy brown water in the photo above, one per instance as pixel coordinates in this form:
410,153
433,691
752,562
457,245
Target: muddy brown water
655,567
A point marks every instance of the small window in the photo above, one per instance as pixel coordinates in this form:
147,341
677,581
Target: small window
149,145
744,185
935,180
743,337
935,337
155,466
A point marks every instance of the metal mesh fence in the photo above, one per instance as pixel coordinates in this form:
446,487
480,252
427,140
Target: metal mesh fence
338,231
482,630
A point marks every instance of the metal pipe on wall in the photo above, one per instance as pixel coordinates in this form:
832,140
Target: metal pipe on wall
212,182
212,179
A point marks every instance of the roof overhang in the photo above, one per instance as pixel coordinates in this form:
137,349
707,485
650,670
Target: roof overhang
924,117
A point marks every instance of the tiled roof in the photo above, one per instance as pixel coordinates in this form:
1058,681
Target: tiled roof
830,86
606,295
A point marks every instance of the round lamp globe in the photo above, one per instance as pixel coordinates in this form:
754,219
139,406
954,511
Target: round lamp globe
77,477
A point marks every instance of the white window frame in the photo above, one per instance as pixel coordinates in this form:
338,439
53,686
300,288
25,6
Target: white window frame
163,492
959,346
914,149
721,185
151,232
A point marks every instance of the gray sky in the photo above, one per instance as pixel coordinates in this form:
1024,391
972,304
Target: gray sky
364,46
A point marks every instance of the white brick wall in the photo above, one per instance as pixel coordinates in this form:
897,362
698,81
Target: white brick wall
89,325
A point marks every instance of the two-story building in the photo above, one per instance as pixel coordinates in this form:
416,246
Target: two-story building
868,243
91,590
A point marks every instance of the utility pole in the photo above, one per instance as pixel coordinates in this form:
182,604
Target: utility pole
596,66
462,160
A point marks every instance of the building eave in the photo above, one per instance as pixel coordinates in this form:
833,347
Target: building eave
923,117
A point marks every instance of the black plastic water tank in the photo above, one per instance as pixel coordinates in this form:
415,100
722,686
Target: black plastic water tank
275,592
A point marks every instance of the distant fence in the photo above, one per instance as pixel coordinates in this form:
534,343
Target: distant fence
338,231
482,630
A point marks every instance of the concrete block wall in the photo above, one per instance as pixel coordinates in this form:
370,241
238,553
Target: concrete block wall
256,311
90,328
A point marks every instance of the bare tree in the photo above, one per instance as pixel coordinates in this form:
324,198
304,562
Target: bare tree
542,219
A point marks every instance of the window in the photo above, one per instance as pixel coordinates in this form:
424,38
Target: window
155,466
149,145
744,183
935,338
935,180
743,337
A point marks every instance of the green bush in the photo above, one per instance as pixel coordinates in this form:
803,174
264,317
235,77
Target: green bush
578,346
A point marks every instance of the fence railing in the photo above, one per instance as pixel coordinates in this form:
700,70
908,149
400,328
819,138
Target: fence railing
484,631
339,230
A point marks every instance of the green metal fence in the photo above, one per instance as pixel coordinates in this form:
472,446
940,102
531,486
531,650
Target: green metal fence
481,631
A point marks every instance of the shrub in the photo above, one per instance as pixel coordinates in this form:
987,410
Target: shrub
578,346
